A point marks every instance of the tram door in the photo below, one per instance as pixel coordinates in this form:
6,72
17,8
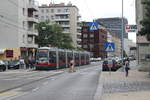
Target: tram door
76,56
52,59
62,59
69,57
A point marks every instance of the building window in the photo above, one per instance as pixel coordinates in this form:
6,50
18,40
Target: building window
85,46
47,17
23,11
9,53
52,17
85,35
47,10
91,35
42,11
144,44
59,10
52,10
66,10
42,17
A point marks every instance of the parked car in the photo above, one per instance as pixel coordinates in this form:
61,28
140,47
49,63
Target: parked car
114,67
14,64
2,66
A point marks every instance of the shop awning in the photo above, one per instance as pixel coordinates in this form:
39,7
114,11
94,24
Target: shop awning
2,51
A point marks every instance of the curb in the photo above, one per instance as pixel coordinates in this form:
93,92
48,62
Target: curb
99,91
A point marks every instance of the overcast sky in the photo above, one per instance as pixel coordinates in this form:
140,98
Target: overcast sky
93,9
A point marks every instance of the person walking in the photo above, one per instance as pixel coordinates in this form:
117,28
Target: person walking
71,69
127,68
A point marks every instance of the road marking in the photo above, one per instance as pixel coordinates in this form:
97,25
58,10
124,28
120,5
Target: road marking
8,93
45,83
35,89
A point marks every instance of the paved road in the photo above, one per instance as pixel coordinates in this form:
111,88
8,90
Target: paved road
55,85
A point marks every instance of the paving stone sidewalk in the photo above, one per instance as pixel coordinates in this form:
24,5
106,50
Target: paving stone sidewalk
134,87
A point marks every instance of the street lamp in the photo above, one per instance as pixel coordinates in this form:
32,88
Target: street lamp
122,36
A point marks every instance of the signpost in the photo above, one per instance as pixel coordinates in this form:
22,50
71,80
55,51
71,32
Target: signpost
109,47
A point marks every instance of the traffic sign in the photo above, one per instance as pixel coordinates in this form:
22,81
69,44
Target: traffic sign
93,26
109,47
131,28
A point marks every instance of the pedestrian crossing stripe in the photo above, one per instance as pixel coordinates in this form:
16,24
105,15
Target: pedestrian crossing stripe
109,48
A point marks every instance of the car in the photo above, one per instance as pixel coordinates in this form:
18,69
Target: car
115,65
2,66
14,64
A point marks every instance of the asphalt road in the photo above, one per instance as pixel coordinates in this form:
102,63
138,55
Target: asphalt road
50,85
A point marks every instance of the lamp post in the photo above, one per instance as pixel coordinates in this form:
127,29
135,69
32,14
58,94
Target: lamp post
122,35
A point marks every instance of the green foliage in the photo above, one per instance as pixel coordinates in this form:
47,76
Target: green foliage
146,21
51,35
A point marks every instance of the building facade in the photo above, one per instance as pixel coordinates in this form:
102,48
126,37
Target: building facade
143,45
93,41
17,32
67,16
114,25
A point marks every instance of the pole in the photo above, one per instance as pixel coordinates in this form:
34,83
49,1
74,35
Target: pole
122,35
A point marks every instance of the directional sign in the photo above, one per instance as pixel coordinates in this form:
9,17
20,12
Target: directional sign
109,47
131,28
93,26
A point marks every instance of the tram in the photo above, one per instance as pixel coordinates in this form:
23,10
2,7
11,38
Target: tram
55,58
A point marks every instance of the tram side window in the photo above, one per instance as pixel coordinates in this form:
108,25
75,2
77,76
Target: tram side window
62,56
52,57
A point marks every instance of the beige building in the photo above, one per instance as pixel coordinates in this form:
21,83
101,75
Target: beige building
17,33
113,38
143,46
65,15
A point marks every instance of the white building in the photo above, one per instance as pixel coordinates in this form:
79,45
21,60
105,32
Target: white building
143,46
128,44
65,15
17,31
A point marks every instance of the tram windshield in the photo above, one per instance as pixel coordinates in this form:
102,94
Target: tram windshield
42,55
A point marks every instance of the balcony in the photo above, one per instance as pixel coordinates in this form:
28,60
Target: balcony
33,19
32,6
62,19
32,32
65,25
66,31
62,13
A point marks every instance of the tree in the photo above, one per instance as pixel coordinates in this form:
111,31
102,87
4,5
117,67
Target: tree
145,30
52,35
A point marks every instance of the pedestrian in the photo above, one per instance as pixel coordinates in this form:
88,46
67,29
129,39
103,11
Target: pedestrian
22,63
127,68
71,67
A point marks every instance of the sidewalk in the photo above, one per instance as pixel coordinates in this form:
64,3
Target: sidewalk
134,87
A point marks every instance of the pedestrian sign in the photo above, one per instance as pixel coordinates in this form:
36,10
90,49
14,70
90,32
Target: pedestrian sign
109,47
93,26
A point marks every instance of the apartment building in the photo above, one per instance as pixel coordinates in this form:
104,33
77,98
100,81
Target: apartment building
17,32
93,41
65,15
143,45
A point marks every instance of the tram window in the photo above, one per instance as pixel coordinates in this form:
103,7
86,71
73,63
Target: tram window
52,56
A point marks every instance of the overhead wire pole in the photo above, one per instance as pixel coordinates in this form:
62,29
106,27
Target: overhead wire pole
122,35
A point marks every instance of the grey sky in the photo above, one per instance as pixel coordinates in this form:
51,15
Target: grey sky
92,9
